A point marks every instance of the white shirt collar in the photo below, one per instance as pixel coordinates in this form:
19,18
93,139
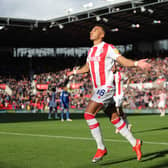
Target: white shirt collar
97,45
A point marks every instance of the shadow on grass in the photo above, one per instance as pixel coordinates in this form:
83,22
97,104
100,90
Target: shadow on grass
146,157
162,165
8,165
154,155
26,117
150,130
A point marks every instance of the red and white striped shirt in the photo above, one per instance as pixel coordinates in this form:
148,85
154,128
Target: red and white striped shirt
162,97
101,59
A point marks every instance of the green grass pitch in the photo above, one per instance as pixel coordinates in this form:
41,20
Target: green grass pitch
56,144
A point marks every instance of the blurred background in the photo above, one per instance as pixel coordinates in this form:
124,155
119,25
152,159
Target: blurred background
36,53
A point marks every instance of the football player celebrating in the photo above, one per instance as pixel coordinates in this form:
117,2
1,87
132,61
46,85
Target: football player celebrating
100,60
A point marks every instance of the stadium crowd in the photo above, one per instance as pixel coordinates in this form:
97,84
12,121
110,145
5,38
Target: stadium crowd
26,96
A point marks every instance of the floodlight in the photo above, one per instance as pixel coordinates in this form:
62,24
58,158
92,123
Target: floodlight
44,29
2,27
151,11
143,9
105,20
88,5
98,18
70,10
157,22
115,30
60,26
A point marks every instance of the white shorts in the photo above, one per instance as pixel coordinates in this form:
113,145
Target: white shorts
104,95
118,100
162,104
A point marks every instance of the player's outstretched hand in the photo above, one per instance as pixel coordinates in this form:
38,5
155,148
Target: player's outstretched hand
143,64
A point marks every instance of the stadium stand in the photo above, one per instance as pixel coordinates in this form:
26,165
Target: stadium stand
28,96
28,77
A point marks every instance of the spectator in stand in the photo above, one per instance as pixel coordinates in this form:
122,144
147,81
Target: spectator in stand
22,87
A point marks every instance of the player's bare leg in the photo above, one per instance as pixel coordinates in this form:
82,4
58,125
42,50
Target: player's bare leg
162,112
93,124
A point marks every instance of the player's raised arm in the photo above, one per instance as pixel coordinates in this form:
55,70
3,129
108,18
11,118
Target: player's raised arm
83,69
130,63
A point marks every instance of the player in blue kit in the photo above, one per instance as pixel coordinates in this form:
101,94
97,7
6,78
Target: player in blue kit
64,100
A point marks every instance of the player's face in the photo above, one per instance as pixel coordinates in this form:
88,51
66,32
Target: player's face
65,88
96,33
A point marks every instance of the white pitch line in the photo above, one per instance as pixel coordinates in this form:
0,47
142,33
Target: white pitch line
76,138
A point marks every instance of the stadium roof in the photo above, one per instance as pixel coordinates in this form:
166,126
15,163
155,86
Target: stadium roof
128,22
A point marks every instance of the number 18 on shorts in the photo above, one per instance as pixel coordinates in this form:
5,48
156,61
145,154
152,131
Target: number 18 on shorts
103,94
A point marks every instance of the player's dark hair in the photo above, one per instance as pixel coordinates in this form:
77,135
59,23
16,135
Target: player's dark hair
53,89
104,28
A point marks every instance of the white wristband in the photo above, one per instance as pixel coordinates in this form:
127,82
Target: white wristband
136,63
74,71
